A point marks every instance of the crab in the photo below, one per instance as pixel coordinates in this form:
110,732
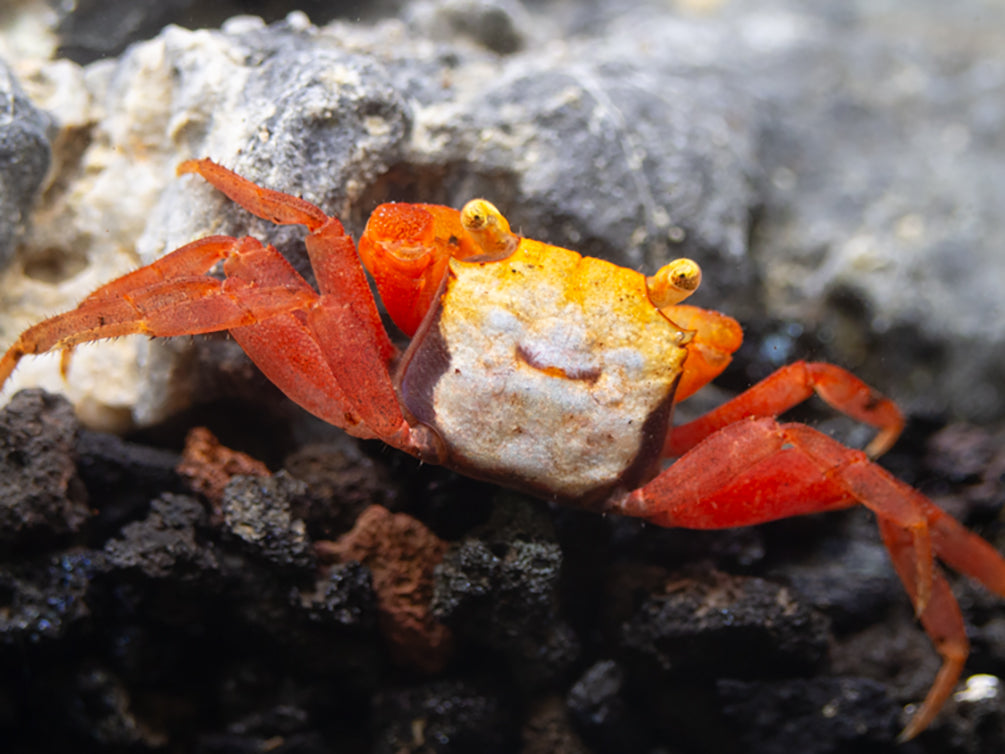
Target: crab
539,369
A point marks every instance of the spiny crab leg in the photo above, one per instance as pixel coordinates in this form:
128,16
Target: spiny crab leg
258,303
146,302
759,470
327,352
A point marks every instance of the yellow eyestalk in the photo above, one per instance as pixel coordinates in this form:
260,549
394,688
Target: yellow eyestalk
488,228
673,282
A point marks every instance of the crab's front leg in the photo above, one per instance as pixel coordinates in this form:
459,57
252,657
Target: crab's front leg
260,302
759,470
327,352
344,318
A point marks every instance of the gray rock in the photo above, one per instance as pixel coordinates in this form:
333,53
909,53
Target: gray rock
736,625
822,714
257,512
837,179
348,116
46,597
41,494
457,715
165,544
92,29
24,160
881,227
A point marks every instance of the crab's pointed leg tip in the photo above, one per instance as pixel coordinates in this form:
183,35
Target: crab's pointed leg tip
921,717
911,730
188,166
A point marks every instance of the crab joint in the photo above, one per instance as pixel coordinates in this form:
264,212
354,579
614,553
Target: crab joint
488,228
673,282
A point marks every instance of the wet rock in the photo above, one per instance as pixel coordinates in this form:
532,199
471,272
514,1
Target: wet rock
257,510
827,715
401,554
209,466
280,728
343,597
501,580
548,730
41,600
341,481
973,458
322,631
24,160
122,478
40,491
442,716
499,588
846,574
599,704
724,625
973,718
100,705
961,452
165,545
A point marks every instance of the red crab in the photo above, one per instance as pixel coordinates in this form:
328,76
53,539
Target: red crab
539,369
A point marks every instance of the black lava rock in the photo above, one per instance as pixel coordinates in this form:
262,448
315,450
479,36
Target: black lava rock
41,494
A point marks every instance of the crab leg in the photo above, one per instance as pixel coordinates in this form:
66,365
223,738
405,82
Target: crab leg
758,470
345,318
287,349
789,386
165,298
941,618
172,296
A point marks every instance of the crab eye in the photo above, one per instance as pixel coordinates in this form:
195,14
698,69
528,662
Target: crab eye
488,228
673,282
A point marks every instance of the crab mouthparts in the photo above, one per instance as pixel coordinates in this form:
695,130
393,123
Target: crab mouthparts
569,371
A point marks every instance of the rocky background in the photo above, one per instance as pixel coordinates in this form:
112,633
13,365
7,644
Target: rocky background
838,170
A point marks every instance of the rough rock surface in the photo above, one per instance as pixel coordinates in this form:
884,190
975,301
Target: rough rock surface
401,553
836,169
24,160
837,173
209,466
40,490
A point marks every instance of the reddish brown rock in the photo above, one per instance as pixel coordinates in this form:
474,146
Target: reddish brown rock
401,554
209,466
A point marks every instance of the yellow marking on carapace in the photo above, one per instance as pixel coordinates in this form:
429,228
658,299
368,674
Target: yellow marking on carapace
556,362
